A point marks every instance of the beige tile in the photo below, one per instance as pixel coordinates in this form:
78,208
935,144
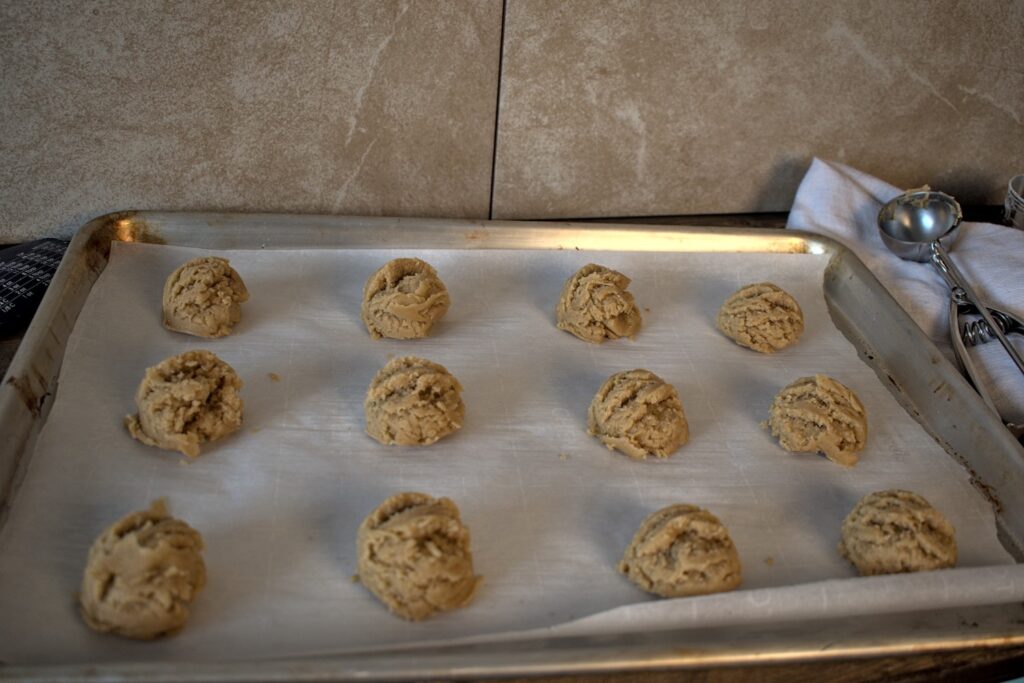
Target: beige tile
354,107
662,107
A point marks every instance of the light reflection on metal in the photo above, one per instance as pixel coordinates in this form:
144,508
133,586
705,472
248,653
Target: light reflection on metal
125,230
593,238
633,240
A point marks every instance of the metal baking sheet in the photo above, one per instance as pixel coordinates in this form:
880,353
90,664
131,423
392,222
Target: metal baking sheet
293,232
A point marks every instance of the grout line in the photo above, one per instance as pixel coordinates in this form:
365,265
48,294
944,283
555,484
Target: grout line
497,109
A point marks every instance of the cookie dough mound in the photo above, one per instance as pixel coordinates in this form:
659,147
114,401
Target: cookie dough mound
204,297
762,317
404,299
186,400
142,575
413,402
595,305
682,550
414,556
638,413
820,415
895,531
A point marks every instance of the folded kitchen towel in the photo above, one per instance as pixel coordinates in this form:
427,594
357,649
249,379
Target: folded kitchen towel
843,203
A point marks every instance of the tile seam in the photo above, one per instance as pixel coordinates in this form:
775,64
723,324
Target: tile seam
497,110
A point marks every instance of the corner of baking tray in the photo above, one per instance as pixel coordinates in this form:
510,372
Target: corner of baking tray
31,380
818,244
927,385
95,237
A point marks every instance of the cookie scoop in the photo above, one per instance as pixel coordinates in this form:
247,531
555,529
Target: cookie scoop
682,550
414,556
186,400
142,575
204,297
638,413
403,300
820,415
762,317
413,402
895,531
595,305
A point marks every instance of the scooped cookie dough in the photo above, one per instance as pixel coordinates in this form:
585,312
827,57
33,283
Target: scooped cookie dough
186,400
820,415
682,550
897,531
142,575
762,317
413,402
404,299
638,413
204,297
595,305
414,556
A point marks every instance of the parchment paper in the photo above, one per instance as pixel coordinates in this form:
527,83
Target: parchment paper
550,509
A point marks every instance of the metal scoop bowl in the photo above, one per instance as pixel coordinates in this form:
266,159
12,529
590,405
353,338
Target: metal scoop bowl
922,225
910,223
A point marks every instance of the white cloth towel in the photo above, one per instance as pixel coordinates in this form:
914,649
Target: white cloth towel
843,203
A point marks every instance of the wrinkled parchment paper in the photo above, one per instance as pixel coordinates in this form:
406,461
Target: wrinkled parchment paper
550,509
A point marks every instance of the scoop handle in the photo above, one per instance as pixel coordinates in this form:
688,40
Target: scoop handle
963,359
956,280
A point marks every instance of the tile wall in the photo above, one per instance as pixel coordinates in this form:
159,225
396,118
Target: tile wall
477,108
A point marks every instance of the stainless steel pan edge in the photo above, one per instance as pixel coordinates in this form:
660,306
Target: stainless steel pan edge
31,379
928,386
856,299
928,632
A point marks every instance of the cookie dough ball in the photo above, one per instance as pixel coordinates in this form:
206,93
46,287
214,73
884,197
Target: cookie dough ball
186,400
404,299
595,305
142,575
638,413
414,556
897,531
204,297
682,550
762,317
820,415
413,402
